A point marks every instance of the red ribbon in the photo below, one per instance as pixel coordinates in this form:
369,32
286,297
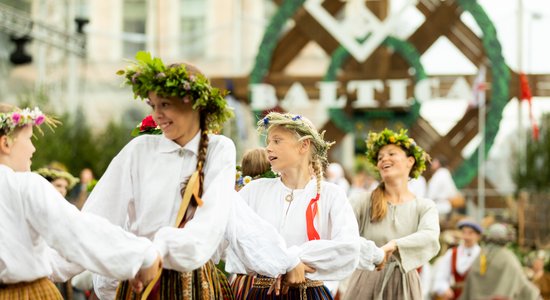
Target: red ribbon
311,212
525,94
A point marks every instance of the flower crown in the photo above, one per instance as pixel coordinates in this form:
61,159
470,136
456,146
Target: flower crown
19,118
241,180
302,126
376,141
52,174
148,74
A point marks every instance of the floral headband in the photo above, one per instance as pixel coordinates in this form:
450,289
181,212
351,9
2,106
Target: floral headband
241,180
19,118
148,74
302,126
376,141
53,174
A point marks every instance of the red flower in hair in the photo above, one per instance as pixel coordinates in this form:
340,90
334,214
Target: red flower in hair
148,123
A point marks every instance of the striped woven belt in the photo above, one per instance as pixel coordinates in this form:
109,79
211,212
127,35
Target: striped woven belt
264,283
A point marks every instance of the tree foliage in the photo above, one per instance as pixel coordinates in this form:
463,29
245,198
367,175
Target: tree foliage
75,143
533,173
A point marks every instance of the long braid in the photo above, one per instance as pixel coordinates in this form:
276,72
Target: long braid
203,147
379,207
316,164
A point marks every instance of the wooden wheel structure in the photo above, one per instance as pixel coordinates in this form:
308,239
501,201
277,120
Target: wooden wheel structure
442,19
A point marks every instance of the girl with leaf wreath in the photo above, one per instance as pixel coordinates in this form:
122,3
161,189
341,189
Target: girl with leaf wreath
172,188
250,245
394,217
39,225
57,174
313,216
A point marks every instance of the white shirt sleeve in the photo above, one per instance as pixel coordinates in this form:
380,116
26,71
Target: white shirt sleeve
104,287
370,255
62,270
337,257
442,274
89,240
113,192
255,246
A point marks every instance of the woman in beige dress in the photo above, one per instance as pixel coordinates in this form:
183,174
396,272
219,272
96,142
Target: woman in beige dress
394,217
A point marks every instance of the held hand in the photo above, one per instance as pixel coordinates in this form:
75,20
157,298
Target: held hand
382,264
145,275
389,248
136,284
297,275
276,286
310,269
448,294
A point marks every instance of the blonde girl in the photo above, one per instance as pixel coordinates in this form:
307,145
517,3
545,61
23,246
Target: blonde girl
36,220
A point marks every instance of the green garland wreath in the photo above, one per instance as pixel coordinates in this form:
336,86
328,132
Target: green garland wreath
271,38
500,92
399,119
465,173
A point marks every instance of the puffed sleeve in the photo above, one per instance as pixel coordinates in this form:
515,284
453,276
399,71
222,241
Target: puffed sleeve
62,270
185,249
113,192
337,258
255,246
86,239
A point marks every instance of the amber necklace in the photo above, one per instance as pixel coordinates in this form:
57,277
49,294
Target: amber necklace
290,196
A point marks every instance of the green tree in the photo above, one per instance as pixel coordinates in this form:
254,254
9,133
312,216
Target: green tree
533,174
73,142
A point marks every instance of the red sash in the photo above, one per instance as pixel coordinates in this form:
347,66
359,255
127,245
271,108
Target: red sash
459,279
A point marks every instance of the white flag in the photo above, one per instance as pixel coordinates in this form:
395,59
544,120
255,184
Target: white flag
479,88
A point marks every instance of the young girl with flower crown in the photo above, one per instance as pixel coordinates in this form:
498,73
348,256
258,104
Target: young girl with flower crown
250,244
313,216
36,217
172,188
394,217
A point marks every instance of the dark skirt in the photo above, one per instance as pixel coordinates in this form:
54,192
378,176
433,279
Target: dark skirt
301,293
40,289
205,283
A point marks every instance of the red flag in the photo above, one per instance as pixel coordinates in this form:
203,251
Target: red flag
525,94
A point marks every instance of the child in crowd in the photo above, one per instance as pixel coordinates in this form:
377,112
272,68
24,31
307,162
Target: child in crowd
36,217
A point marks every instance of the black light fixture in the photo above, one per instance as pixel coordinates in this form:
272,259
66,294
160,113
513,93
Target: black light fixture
19,56
80,23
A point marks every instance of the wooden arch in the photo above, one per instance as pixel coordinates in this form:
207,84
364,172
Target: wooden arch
442,19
